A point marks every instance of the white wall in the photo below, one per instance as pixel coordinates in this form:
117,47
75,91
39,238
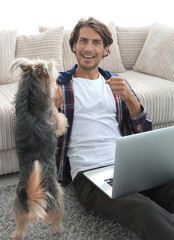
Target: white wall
27,15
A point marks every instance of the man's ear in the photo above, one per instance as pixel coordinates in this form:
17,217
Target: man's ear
74,48
106,51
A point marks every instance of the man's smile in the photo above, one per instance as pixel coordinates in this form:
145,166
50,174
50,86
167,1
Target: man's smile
88,57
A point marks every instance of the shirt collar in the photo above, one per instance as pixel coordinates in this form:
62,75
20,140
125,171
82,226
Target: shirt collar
67,75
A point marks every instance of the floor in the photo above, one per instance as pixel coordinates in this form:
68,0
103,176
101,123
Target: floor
9,179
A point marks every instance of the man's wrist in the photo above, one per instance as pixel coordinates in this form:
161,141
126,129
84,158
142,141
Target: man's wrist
134,106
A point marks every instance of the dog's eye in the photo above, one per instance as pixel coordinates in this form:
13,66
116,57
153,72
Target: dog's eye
36,71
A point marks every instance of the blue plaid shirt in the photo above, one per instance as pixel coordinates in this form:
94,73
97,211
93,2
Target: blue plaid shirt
127,124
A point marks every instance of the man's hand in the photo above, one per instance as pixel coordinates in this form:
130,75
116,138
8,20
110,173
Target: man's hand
120,87
58,97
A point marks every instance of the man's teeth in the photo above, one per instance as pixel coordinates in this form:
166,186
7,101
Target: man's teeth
86,56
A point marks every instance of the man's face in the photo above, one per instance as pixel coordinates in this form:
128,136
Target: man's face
89,48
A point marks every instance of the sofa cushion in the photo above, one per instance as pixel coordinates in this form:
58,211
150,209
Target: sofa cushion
46,45
130,42
69,58
7,116
7,53
156,95
157,55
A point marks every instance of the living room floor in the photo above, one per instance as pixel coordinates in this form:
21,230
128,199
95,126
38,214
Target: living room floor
9,179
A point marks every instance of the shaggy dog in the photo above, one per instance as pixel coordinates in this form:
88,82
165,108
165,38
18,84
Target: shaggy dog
38,124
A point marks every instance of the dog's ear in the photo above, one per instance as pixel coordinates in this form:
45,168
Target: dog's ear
23,63
18,67
48,69
25,67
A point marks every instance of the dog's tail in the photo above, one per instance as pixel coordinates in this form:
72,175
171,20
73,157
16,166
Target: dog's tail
36,193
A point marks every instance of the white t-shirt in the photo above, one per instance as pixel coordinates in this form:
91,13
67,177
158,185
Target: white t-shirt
95,129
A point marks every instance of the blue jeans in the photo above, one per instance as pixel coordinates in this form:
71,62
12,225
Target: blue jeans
139,212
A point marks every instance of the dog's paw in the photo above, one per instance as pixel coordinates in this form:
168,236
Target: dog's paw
15,235
62,124
58,228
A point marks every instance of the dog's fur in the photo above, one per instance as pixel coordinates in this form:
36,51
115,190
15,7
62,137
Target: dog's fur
38,195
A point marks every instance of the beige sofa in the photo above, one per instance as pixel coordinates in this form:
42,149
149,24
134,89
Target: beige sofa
144,56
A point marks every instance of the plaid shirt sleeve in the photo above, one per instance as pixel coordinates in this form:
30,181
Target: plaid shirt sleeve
62,161
131,124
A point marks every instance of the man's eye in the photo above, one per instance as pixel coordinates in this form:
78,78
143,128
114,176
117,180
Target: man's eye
97,42
83,40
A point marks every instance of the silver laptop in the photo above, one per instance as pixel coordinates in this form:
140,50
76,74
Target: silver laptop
142,161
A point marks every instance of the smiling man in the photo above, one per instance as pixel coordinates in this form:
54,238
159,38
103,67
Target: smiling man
101,107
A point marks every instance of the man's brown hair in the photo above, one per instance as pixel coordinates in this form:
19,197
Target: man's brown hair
98,26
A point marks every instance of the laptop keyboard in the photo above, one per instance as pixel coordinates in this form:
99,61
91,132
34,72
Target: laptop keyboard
109,181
